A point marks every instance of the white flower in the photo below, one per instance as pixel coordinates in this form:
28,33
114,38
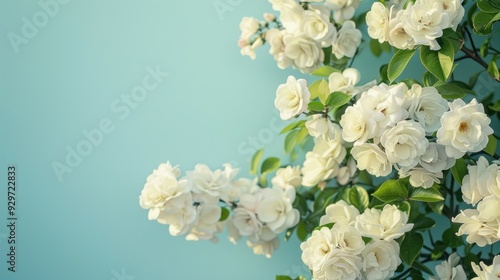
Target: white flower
398,37
425,23
481,180
180,214
161,187
477,231
292,98
426,106
340,265
485,272
345,82
246,221
316,249
435,159
342,9
380,259
322,163
233,234
386,105
306,54
249,50
339,213
291,16
274,37
320,126
488,210
421,177
248,27
205,181
208,215
278,5
465,128
347,172
347,238
357,126
377,20
405,143
453,8
239,187
371,158
347,41
316,25
387,224
287,177
276,210
450,269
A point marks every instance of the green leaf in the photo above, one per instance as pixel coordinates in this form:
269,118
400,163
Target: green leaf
283,277
489,6
398,63
338,99
290,141
456,39
495,107
366,240
483,50
263,180
293,126
359,198
269,165
315,106
390,191
329,225
224,214
366,177
493,69
302,231
450,237
473,79
405,207
375,47
483,21
426,195
302,135
254,163
450,91
323,91
324,71
383,73
430,80
420,266
439,248
423,223
436,207
314,89
440,62
300,204
410,247
459,170
491,147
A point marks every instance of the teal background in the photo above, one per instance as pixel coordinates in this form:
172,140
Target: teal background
215,106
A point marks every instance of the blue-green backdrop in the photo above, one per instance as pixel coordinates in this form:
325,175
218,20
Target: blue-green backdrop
83,135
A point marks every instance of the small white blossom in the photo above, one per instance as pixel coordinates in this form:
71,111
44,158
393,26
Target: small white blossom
287,177
380,259
387,224
347,41
371,158
487,272
450,269
292,98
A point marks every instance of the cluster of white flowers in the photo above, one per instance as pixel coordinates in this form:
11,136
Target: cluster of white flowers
487,272
393,126
450,269
481,187
192,205
302,31
421,23
340,252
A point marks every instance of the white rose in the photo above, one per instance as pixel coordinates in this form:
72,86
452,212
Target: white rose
426,106
435,159
205,181
480,181
340,265
316,249
453,8
239,187
276,210
306,54
292,98
488,209
465,128
356,125
377,20
347,172
347,238
421,177
425,23
380,259
274,37
477,231
179,215
342,9
316,25
278,5
405,143
320,126
345,82
207,218
450,269
387,104
387,224
291,16
322,163
398,37
340,213
161,187
347,41
485,272
287,177
248,27
371,158
246,221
